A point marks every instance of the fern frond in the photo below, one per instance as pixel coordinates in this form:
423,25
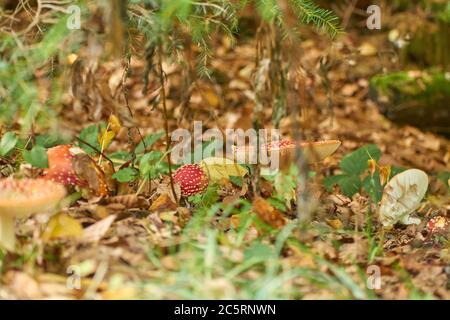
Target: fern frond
269,10
203,58
308,12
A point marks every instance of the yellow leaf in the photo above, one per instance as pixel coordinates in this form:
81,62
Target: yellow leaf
335,223
211,98
114,124
163,203
385,172
105,138
62,226
221,168
372,166
110,132
71,58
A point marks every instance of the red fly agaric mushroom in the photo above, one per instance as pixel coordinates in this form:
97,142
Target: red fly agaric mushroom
437,224
60,165
21,198
286,149
191,178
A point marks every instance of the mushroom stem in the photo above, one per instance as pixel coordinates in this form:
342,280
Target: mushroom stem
7,234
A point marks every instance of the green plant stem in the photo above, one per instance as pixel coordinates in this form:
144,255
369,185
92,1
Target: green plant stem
142,184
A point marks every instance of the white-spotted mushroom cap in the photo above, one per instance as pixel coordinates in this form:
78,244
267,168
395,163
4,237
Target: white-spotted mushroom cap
286,148
20,198
191,178
282,150
284,144
60,166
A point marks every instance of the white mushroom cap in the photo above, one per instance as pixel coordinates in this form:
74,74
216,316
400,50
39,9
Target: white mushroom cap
401,196
20,198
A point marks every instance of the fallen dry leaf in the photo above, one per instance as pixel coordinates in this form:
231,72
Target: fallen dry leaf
222,168
129,201
267,213
355,252
96,231
163,203
62,225
335,223
88,170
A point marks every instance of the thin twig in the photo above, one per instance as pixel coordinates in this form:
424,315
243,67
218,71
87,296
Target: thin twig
35,19
127,102
96,150
166,116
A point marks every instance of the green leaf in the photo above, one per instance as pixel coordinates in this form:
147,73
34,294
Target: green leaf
50,140
349,184
396,170
37,157
207,198
125,175
278,203
90,135
329,182
149,141
150,165
444,177
356,162
237,180
8,142
120,155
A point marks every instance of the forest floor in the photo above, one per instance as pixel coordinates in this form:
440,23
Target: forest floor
159,250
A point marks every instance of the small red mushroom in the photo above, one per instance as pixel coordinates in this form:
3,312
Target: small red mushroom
191,178
60,166
438,224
